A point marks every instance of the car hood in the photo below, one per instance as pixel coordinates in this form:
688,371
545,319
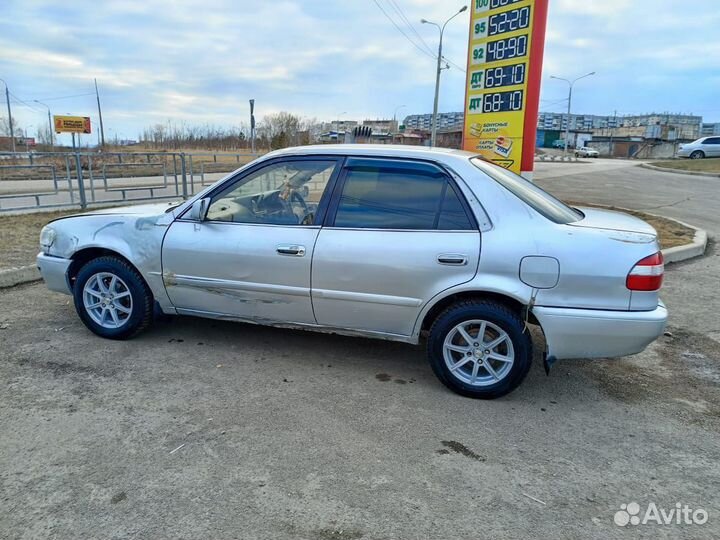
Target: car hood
152,209
613,221
137,209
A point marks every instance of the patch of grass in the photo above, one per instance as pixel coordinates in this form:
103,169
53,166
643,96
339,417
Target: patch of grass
670,233
710,165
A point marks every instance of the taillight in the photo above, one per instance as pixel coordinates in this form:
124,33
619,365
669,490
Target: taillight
647,274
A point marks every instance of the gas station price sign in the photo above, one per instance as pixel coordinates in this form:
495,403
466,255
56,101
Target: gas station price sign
503,83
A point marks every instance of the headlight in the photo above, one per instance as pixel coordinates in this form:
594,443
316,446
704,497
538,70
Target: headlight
47,237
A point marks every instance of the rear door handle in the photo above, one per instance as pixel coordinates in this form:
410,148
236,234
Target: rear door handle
452,259
293,250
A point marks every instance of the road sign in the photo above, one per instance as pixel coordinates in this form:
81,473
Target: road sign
502,94
71,124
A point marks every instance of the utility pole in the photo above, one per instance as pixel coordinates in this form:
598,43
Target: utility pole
7,98
102,131
570,84
50,124
397,127
433,138
337,126
252,125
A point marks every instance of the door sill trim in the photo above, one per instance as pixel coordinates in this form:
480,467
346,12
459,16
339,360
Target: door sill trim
298,326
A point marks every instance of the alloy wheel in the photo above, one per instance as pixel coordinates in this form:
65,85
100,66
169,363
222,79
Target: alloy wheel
478,352
107,300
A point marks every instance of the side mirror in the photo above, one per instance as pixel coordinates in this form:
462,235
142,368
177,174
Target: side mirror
199,210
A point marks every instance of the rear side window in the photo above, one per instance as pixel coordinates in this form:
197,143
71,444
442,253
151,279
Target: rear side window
453,216
712,140
537,199
399,196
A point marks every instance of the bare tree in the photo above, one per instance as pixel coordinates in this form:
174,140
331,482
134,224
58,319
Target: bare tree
179,136
44,135
5,127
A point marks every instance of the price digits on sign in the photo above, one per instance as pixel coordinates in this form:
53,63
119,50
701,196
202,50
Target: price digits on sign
505,76
494,4
503,101
504,49
484,5
509,21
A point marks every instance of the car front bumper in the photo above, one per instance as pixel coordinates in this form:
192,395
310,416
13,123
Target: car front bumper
588,333
54,272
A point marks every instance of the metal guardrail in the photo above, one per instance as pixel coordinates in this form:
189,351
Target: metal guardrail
58,179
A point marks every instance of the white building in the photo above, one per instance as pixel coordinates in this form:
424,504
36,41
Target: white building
452,120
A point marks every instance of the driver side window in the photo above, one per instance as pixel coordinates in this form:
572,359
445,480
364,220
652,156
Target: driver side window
283,193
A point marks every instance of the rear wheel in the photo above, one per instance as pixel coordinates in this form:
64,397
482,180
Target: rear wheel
697,154
480,349
112,298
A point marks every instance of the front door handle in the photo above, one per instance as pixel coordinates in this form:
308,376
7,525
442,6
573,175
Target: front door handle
452,259
293,250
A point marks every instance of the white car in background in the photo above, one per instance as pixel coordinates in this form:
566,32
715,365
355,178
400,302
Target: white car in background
584,151
702,148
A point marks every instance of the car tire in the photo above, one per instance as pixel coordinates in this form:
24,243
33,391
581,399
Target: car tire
697,154
475,369
112,299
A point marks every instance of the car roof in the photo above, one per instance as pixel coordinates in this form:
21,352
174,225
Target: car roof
375,150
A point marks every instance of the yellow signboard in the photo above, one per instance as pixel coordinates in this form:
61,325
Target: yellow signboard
72,124
503,80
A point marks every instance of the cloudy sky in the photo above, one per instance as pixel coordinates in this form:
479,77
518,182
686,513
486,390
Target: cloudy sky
199,61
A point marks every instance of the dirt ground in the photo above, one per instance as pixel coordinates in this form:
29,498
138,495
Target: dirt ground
204,429
711,165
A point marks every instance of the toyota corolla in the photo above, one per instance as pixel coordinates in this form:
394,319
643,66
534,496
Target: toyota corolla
388,242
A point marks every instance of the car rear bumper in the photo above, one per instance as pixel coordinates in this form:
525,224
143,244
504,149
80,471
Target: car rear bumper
684,153
587,333
54,271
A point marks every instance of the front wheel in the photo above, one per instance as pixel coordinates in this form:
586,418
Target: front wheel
112,299
697,154
480,349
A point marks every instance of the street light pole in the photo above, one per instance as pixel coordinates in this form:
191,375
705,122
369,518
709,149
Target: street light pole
102,130
433,138
7,97
570,88
50,124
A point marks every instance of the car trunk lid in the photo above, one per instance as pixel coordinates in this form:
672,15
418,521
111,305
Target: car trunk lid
595,218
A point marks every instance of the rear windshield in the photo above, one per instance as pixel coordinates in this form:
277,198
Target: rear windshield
529,193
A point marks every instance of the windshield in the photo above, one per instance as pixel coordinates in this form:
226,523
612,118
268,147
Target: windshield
539,200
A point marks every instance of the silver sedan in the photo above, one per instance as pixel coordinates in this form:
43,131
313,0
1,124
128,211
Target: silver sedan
388,242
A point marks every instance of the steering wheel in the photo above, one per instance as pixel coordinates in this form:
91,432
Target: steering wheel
287,205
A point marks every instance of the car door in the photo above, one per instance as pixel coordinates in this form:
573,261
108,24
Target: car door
711,147
250,257
397,233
